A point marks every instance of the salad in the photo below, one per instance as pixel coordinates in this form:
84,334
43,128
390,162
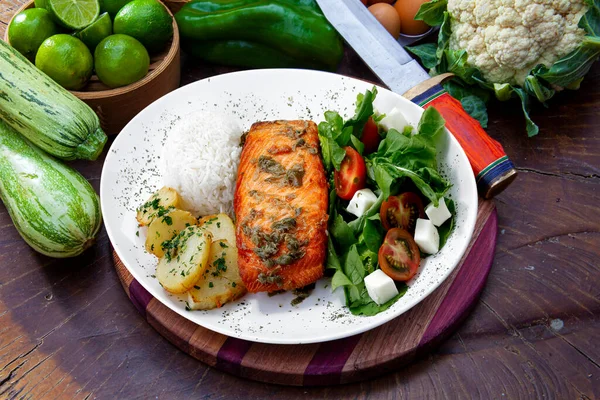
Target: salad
382,171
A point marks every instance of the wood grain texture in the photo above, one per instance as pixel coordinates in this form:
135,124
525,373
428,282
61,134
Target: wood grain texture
341,361
533,332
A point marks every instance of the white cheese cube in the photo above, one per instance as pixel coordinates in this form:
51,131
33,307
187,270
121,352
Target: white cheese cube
438,215
394,119
362,200
426,236
381,288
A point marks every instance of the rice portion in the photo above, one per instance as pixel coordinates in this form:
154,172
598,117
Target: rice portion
200,161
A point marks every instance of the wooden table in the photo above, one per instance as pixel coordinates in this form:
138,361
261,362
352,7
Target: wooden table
67,329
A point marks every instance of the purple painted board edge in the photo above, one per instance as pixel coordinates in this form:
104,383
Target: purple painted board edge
445,319
327,364
231,354
139,296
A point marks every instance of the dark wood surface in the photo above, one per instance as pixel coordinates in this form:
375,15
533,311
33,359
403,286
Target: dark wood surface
67,329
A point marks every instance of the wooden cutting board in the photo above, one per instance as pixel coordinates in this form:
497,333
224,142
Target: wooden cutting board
383,349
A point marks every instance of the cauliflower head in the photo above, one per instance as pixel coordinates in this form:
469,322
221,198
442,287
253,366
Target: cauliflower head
505,39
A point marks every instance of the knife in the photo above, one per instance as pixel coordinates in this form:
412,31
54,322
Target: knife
402,74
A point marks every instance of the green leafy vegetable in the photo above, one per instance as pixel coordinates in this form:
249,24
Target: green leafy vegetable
432,13
446,228
542,83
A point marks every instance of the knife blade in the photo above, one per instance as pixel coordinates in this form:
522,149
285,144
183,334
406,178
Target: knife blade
404,75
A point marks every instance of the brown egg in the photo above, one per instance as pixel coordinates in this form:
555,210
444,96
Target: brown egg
388,17
371,2
407,9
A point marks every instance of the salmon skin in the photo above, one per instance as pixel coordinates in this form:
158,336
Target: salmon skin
280,204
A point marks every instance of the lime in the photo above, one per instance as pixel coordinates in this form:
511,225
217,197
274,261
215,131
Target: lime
65,59
40,3
112,6
121,60
29,29
146,20
96,32
74,14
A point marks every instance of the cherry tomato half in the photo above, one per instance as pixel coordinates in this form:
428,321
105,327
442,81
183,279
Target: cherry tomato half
401,212
370,136
352,175
399,255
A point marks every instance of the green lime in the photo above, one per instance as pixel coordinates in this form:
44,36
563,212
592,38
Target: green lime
96,32
121,60
74,14
40,3
146,20
112,6
65,59
29,29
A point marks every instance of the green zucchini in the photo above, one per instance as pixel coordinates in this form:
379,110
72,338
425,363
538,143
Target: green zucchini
44,112
53,207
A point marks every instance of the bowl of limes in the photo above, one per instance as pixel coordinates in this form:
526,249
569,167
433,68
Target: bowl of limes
118,56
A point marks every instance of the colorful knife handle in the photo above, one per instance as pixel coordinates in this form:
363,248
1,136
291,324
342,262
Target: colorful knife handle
491,166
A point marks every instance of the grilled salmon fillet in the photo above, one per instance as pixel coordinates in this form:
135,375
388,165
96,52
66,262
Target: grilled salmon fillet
280,205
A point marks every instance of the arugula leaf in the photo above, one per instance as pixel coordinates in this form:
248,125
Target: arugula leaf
427,180
426,52
339,279
431,123
357,144
432,12
332,153
364,110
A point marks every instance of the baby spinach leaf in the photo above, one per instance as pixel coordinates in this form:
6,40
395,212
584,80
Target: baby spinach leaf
371,236
342,233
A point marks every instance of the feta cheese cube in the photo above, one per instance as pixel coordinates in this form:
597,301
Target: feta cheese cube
362,200
426,236
394,119
381,288
438,215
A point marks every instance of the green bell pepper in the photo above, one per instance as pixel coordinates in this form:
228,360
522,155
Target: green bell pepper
260,33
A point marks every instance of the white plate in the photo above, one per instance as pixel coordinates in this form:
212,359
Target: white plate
131,173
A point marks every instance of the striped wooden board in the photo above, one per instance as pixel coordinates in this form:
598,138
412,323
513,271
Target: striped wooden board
359,357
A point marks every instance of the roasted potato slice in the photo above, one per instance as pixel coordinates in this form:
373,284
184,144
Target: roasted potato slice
185,260
159,203
220,226
220,281
164,228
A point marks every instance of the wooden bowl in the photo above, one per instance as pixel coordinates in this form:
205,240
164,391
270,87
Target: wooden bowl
116,107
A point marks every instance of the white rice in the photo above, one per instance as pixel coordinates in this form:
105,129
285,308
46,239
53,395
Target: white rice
200,161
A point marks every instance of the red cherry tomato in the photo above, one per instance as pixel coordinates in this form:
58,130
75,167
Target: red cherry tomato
352,175
399,255
401,212
370,136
